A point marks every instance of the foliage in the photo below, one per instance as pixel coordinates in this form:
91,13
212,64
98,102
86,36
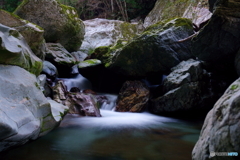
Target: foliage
9,5
111,9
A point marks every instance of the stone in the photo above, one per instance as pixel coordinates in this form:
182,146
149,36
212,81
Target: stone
23,108
32,33
49,69
83,104
15,51
219,41
220,131
60,23
196,10
155,50
133,97
186,88
58,111
103,32
58,54
78,103
79,56
44,86
89,63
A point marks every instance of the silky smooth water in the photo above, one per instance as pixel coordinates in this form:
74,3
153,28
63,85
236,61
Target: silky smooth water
114,136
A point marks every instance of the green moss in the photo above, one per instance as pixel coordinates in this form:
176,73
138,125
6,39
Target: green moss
89,63
233,87
172,22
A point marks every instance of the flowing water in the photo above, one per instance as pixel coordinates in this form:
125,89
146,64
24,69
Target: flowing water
114,136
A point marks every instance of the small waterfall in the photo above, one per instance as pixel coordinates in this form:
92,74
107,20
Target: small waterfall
76,81
110,103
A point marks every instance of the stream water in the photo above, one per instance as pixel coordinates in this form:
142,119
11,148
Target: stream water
114,136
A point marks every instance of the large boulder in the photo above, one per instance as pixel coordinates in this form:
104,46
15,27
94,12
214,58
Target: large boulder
15,51
156,50
32,33
24,111
60,23
103,32
221,132
219,41
196,10
133,97
186,88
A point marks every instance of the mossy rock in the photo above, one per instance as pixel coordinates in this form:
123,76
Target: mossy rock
15,51
89,63
155,50
60,22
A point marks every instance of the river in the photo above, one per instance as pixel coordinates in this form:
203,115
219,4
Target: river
114,136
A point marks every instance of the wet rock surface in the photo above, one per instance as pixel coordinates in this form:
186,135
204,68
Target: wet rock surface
133,97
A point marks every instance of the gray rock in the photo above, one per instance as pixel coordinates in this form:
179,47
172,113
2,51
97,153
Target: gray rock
15,51
196,10
219,41
49,69
32,33
103,32
79,56
57,53
221,132
45,88
89,63
185,88
155,50
23,107
60,23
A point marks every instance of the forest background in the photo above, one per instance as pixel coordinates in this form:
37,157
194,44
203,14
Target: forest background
125,10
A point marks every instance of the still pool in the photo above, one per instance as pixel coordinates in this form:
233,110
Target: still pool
114,136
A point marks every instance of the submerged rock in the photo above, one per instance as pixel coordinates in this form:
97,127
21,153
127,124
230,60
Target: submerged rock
221,132
187,87
60,23
133,97
155,50
32,33
25,113
15,51
103,32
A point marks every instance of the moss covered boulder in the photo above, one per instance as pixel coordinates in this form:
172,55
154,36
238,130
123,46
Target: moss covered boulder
60,23
196,10
155,50
219,41
103,32
32,33
15,51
